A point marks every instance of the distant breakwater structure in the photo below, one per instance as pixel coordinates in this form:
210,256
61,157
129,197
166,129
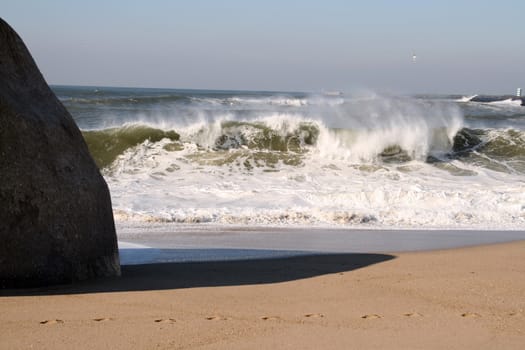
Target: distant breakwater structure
497,98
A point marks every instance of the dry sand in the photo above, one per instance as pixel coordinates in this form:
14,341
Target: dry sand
468,298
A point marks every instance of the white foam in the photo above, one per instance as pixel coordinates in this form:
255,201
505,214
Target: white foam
339,183
466,98
322,192
507,102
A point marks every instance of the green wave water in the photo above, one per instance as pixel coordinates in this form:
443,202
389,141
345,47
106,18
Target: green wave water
255,144
106,145
278,158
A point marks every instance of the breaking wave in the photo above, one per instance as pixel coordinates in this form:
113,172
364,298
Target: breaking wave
264,144
259,158
363,131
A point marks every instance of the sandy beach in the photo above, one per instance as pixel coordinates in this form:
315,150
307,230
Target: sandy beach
465,298
261,175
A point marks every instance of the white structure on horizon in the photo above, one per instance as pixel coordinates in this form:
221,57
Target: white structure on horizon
518,93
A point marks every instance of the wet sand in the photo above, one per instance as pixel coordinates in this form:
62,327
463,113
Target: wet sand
465,298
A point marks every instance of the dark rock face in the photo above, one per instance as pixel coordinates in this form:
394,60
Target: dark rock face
56,220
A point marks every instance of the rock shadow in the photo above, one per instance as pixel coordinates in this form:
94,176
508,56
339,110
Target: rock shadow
236,272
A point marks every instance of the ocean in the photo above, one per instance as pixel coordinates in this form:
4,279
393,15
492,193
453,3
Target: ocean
281,159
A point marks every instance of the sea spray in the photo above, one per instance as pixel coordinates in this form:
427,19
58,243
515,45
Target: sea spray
295,159
358,131
366,128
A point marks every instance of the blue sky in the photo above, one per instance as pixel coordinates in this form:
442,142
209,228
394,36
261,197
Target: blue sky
461,46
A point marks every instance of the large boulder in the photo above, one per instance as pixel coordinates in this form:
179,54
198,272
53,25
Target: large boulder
56,220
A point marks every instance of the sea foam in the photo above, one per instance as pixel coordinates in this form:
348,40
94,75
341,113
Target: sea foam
367,167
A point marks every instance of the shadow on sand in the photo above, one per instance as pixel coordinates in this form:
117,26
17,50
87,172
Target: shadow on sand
177,275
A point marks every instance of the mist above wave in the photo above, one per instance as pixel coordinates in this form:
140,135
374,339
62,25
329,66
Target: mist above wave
277,159
358,130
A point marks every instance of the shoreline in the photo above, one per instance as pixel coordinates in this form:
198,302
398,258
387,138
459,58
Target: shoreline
169,243
463,298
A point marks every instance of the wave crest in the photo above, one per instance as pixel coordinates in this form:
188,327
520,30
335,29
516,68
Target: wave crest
358,131
106,145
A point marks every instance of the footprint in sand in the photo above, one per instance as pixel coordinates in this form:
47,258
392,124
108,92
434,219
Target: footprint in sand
470,314
413,314
103,319
216,318
371,316
314,315
165,320
56,321
270,318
